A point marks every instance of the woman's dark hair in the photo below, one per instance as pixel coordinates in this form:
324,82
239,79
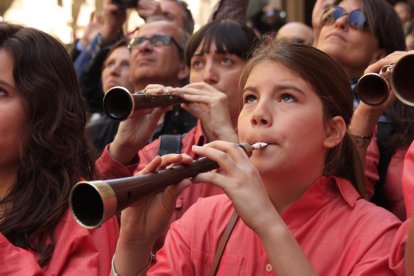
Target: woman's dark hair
228,36
54,153
331,83
384,24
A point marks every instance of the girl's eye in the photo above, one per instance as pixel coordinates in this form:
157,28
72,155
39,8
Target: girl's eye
249,98
3,92
226,60
287,98
196,64
125,65
110,64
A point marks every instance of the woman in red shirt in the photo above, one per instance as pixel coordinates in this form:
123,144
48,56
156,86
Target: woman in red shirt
44,152
357,34
300,214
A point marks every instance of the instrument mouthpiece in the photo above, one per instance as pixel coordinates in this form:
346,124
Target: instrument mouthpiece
259,145
250,148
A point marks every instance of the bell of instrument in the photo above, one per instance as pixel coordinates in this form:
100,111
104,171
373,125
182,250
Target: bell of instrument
374,89
119,103
402,80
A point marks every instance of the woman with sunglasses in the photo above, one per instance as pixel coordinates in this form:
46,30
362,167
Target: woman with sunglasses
43,153
357,34
298,212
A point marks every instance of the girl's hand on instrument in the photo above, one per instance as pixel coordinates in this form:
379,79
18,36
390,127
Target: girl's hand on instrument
241,181
145,220
210,106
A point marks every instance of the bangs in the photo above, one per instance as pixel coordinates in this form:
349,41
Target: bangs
228,37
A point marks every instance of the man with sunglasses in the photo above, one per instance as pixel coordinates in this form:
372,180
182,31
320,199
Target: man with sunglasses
90,63
105,30
157,55
156,58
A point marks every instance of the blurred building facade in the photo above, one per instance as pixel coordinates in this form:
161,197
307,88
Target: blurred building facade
65,19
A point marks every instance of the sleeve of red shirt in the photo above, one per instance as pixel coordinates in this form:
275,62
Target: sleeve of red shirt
109,168
408,180
78,251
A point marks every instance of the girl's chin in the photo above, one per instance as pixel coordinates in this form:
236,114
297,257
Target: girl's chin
263,167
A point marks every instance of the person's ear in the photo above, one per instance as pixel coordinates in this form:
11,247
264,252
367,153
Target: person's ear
335,132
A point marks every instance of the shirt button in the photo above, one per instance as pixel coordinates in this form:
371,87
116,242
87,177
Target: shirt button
269,267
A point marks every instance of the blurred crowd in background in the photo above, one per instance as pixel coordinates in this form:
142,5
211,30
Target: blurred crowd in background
66,19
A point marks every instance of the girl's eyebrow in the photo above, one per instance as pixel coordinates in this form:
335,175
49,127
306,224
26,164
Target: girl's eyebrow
276,88
7,84
215,52
250,88
287,86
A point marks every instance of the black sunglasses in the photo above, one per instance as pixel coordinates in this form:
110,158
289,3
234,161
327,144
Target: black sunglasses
155,40
356,18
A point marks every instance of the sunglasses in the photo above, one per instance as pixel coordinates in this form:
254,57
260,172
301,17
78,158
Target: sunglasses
356,18
155,40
